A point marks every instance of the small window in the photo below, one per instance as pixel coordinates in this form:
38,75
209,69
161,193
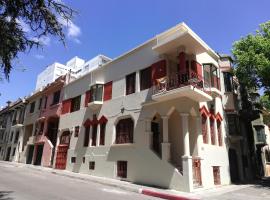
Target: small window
83,159
56,97
13,152
32,107
94,135
17,137
145,78
130,83
86,136
216,174
122,169
228,81
76,132
75,104
102,134
91,165
40,103
73,159
45,102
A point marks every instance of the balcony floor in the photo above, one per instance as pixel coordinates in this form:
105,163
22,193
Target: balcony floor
185,91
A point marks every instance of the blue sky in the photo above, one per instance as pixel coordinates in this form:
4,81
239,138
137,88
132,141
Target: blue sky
111,27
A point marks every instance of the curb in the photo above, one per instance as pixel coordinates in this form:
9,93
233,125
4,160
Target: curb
165,195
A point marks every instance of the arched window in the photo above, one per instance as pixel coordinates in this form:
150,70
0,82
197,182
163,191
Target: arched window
204,128
124,131
212,130
219,130
65,138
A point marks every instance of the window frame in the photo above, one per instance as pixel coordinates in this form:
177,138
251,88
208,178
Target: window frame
145,81
124,132
56,97
75,104
32,107
131,83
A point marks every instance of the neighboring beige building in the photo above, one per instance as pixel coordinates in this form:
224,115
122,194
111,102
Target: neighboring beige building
154,116
11,130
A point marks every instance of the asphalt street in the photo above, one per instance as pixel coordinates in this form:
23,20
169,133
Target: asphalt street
21,183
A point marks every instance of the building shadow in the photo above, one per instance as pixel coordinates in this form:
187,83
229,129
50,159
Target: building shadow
5,195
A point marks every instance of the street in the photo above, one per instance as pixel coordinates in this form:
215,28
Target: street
20,183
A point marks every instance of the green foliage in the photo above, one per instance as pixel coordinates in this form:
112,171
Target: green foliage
265,102
42,18
252,58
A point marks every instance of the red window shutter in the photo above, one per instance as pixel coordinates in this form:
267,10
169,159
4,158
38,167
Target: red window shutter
199,70
107,91
87,98
158,70
182,63
66,106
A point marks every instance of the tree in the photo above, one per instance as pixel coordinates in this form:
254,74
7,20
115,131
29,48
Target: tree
43,17
252,59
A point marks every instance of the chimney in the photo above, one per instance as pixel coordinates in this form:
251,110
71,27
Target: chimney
8,103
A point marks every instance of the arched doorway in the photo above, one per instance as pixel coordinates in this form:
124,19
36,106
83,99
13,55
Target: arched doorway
157,134
61,157
233,165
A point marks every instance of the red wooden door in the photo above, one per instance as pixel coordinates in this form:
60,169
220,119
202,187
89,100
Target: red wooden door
61,157
197,178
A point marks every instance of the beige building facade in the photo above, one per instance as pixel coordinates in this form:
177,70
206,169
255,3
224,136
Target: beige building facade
153,116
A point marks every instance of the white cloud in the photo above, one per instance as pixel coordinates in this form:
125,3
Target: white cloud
25,27
73,31
39,56
43,40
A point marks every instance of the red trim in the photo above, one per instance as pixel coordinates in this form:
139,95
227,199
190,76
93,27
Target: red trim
87,123
66,105
103,120
203,110
218,117
164,195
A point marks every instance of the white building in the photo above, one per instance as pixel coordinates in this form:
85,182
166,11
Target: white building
94,63
55,70
76,66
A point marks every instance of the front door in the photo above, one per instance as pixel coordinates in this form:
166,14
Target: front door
196,167
30,154
156,137
233,165
39,154
8,154
61,157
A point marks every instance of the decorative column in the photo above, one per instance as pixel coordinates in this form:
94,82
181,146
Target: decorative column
98,135
137,81
199,141
165,146
148,133
186,158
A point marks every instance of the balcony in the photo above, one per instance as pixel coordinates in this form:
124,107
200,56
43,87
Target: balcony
96,96
17,123
180,35
181,85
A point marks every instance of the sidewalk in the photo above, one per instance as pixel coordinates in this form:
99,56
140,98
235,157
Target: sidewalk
151,191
